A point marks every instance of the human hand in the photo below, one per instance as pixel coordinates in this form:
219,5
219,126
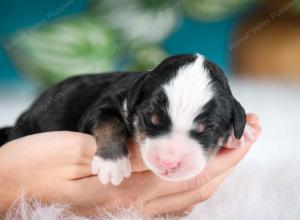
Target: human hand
180,197
44,166
55,166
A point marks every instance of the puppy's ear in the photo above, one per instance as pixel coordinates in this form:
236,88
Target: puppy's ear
239,119
248,136
241,132
135,92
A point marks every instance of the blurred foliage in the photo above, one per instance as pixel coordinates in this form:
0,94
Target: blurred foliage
147,20
297,5
67,47
111,34
214,9
144,56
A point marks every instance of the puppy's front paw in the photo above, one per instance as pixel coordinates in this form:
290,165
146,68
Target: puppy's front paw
112,171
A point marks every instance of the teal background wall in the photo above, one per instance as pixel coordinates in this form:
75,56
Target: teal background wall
17,15
208,38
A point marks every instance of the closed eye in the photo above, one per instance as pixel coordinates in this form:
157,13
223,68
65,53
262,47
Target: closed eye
199,128
154,124
151,119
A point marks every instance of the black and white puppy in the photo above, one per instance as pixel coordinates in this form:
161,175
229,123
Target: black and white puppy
180,113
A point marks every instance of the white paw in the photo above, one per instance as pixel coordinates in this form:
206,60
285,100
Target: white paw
112,171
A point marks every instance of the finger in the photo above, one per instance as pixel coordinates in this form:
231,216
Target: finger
71,139
82,149
78,171
135,157
141,186
182,203
78,146
228,158
130,189
248,134
205,192
92,193
89,190
62,147
252,118
87,144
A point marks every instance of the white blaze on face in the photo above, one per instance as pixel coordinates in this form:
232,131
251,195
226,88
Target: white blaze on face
177,156
187,93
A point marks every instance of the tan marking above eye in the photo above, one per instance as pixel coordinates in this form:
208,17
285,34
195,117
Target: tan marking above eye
220,141
200,127
154,119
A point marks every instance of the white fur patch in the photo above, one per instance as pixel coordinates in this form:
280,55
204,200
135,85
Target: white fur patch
125,107
187,93
111,171
192,161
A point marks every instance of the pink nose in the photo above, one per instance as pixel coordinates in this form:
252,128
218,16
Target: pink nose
168,165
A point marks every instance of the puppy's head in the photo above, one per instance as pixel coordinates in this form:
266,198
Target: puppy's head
182,113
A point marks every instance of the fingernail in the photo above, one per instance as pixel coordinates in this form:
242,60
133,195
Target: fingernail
249,133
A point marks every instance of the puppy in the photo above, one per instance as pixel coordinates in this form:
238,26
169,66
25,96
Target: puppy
180,113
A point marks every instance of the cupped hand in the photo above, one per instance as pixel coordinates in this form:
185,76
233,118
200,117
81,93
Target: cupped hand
55,166
162,197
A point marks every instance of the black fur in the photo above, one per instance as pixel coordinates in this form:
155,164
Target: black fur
88,103
230,109
81,103
4,135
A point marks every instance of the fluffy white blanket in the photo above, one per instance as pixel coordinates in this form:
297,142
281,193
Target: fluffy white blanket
265,185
